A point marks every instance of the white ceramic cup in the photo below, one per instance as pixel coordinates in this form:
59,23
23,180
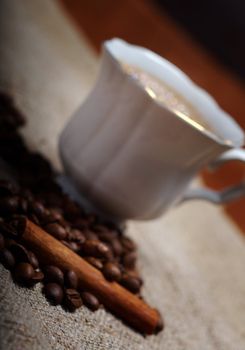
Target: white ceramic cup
131,155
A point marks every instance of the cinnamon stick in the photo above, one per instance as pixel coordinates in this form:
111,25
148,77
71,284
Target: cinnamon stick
114,297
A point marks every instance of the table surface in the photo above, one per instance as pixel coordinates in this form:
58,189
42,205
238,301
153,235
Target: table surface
142,23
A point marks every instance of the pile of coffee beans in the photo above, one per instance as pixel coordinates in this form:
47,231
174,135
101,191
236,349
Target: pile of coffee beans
37,196
60,287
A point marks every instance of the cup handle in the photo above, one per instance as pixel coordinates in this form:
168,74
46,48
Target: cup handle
226,195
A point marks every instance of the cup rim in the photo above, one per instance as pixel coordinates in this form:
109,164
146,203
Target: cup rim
233,135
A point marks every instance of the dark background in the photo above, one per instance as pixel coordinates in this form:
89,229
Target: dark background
218,24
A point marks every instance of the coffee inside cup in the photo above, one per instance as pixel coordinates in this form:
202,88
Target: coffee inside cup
167,96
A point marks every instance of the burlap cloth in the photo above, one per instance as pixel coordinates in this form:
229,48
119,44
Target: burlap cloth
192,259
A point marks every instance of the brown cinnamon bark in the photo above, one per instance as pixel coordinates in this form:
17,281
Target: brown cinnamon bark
114,297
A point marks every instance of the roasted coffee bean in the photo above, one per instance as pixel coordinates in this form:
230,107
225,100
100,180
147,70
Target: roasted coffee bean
134,274
9,242
26,194
116,247
23,205
54,293
99,229
7,258
90,301
76,235
71,209
55,215
2,242
23,272
66,243
128,244
33,259
39,212
96,249
16,225
131,283
71,280
90,235
56,230
72,299
111,271
54,274
38,209
20,252
37,277
91,218
129,260
7,230
106,236
7,188
75,247
80,223
9,205
95,262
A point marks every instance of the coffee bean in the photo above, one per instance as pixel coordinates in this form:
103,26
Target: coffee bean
71,209
99,229
37,277
91,218
106,236
80,223
90,235
111,271
26,194
90,301
128,244
9,205
20,252
71,280
135,274
23,205
74,246
54,215
95,262
56,230
72,299
23,272
96,249
66,243
76,235
54,274
131,283
7,188
129,260
33,259
2,242
54,293
9,242
16,225
116,247
7,258
38,209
